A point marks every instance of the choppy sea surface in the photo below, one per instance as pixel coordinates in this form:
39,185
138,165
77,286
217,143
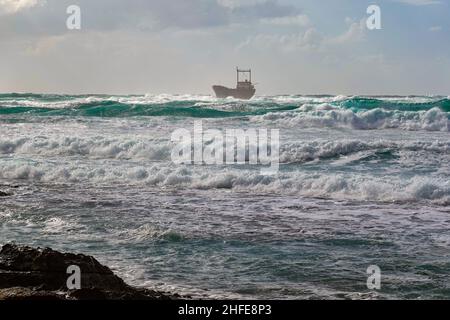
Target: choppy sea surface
363,181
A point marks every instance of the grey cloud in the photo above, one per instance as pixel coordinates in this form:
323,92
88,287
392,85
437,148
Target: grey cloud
144,15
266,9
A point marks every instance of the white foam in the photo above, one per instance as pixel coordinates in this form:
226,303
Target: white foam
76,101
354,185
140,148
96,147
325,115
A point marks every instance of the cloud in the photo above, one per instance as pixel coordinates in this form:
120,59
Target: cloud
298,20
435,29
43,45
14,6
308,40
419,2
239,3
140,15
355,32
264,9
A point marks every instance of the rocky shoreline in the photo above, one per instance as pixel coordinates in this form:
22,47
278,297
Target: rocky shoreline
28,273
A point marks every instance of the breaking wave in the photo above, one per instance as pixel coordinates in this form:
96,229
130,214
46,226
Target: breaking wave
410,113
400,104
160,150
97,148
343,186
102,161
326,115
135,106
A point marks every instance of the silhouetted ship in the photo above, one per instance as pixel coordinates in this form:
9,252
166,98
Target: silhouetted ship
244,89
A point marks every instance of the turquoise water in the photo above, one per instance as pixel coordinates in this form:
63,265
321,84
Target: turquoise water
363,181
132,106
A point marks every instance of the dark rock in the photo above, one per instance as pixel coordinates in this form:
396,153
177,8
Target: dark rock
4,194
88,294
29,273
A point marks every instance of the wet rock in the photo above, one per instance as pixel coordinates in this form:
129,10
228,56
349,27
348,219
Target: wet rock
17,294
35,273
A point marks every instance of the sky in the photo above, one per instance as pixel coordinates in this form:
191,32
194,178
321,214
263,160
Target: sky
186,46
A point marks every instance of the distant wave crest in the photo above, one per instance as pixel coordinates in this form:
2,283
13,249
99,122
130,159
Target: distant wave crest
364,113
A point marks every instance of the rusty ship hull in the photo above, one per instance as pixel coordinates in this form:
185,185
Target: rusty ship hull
239,93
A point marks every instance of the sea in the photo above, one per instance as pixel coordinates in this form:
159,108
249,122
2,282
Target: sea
363,181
